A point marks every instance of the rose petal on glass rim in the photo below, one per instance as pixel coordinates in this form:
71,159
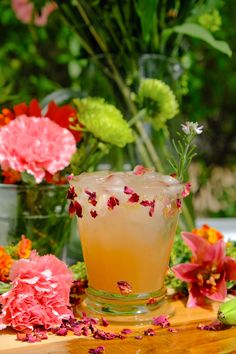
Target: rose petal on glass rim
178,203
112,202
134,198
93,213
92,197
71,194
78,209
128,190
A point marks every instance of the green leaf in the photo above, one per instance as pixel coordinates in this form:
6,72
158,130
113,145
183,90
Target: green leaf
196,31
147,11
28,178
4,287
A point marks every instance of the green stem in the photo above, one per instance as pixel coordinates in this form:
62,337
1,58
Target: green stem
150,148
91,28
143,152
187,222
139,116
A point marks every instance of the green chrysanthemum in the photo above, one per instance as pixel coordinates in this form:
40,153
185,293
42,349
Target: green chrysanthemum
159,101
104,121
210,21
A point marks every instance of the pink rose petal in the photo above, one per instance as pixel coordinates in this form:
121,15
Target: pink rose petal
35,145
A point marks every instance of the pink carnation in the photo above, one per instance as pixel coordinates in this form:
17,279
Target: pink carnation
35,145
25,12
39,294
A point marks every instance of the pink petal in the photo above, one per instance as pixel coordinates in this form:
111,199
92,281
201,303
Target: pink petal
195,297
218,254
230,268
128,190
140,170
201,249
134,198
186,271
32,144
42,19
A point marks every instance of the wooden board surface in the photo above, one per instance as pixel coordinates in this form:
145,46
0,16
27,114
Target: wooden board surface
188,339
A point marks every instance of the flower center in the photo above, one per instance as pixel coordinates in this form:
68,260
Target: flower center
207,278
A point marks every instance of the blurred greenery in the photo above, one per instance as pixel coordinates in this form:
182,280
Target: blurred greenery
36,61
212,87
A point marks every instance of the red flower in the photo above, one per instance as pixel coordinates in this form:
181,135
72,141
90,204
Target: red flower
208,272
6,116
55,179
11,176
63,115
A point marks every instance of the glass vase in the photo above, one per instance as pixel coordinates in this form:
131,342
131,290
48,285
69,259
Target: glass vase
39,212
127,227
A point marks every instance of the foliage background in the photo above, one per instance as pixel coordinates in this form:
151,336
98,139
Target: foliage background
37,61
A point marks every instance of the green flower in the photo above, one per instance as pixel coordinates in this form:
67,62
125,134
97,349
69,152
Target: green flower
210,21
159,101
104,121
79,271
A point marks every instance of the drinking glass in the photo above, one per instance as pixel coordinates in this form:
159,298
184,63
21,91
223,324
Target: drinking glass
127,224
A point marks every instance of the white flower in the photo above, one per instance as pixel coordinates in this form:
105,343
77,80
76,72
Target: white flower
190,127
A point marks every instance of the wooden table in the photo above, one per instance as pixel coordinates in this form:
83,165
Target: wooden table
188,339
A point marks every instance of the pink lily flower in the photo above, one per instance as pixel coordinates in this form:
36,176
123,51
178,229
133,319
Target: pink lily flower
208,271
25,12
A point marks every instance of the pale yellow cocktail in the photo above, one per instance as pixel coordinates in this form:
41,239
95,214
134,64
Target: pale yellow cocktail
127,228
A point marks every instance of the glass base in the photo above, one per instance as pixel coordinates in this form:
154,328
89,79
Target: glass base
132,309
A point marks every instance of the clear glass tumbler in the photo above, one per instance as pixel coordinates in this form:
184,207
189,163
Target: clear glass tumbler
127,226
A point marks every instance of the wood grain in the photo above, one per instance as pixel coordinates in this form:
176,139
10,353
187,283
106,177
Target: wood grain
188,339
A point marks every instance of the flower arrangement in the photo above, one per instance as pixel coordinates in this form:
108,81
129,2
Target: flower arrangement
39,149
43,146
48,146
